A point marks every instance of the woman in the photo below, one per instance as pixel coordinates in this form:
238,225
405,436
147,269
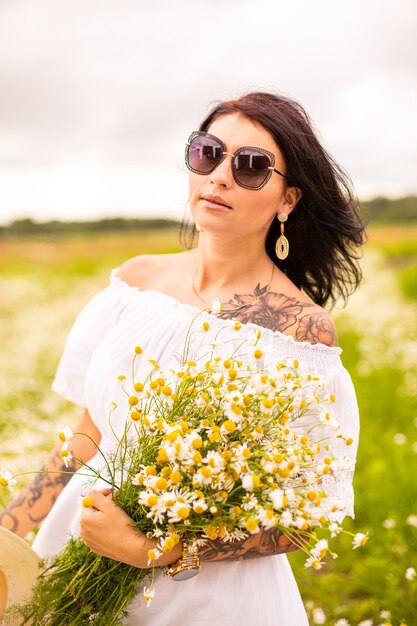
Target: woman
278,227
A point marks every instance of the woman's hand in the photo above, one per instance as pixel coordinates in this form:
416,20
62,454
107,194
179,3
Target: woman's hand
107,530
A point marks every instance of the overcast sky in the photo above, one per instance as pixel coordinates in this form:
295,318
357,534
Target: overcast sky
97,97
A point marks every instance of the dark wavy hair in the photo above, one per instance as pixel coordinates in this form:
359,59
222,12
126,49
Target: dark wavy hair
325,228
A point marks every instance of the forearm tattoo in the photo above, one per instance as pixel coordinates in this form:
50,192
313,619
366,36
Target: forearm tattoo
278,312
43,491
264,543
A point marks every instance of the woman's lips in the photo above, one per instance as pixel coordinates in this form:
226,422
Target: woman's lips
211,204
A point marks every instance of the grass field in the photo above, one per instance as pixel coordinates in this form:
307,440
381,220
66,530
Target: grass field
45,282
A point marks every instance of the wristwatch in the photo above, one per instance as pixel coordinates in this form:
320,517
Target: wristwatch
188,565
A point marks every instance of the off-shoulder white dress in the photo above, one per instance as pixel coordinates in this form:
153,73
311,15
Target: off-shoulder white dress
99,347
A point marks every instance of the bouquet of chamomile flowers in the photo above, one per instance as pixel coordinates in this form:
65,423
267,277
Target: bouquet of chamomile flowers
215,450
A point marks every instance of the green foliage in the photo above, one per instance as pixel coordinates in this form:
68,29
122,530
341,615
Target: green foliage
390,210
359,585
401,249
30,227
408,281
66,593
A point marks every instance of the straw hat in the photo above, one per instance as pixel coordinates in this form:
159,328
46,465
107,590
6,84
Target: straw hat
18,570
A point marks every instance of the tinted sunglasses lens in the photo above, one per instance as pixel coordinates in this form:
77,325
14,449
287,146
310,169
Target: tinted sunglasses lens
251,167
204,154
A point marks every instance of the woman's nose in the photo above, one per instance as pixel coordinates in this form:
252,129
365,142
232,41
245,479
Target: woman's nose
222,174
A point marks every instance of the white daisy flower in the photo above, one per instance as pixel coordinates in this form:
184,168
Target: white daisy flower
335,529
234,535
286,519
299,523
203,476
179,512
267,518
66,454
411,520
147,498
215,461
216,306
359,540
148,595
313,563
200,505
269,466
241,453
248,482
292,497
7,480
153,555
249,502
64,434
389,523
137,479
410,574
320,549
277,498
329,419
319,616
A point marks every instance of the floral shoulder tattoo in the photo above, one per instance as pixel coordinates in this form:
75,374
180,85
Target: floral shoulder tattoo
277,311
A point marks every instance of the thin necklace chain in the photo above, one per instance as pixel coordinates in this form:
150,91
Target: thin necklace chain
254,298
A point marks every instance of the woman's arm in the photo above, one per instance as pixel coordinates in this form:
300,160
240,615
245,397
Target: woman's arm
30,507
264,543
107,530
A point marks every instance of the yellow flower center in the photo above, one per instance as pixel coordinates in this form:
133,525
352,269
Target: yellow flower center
251,525
183,512
161,483
230,426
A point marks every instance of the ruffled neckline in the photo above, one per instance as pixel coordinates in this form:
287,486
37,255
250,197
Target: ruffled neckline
190,309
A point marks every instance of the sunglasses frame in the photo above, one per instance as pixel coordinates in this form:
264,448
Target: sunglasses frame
271,168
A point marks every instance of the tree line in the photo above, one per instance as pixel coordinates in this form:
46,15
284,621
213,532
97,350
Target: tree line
28,226
388,210
377,210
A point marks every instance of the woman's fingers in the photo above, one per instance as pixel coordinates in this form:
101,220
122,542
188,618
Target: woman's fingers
101,501
97,500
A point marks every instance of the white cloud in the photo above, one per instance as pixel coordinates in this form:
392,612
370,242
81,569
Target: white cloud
104,86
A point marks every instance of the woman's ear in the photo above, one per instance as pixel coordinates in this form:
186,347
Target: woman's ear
291,196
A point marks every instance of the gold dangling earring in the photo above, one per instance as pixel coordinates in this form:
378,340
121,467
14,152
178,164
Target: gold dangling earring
197,227
282,247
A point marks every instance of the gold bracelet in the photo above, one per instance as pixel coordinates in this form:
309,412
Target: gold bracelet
187,566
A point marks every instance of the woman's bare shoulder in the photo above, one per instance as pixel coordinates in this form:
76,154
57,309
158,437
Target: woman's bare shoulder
316,325
143,270
307,321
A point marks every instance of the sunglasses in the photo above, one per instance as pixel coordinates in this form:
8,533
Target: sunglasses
251,167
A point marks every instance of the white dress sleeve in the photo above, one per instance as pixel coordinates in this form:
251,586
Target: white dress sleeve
325,362
88,330
347,414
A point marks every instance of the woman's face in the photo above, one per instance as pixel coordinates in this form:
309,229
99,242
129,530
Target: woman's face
249,212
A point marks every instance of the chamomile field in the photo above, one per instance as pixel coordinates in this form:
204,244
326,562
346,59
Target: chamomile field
44,282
